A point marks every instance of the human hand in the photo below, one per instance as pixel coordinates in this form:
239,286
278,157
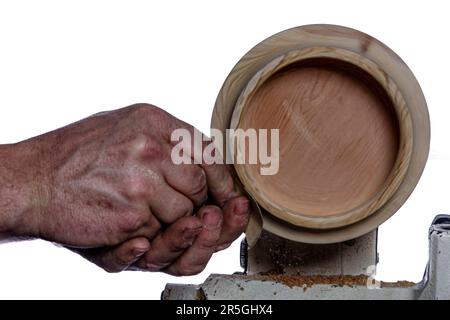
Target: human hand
107,188
184,248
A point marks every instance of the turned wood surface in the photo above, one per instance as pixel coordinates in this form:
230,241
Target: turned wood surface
353,140
339,139
373,80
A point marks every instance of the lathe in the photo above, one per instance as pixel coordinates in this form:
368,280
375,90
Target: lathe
354,137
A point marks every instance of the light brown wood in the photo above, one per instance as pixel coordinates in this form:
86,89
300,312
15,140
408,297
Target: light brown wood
339,139
376,82
354,130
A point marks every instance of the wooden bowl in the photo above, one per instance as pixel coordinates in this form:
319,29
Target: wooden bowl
353,127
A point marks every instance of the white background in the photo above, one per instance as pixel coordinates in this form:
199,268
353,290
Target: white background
64,60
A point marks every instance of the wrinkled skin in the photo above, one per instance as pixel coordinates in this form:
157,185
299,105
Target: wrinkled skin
106,188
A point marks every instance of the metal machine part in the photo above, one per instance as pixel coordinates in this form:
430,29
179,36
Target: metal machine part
341,260
273,254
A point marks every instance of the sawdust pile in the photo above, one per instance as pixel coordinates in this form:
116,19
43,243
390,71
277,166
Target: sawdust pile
337,280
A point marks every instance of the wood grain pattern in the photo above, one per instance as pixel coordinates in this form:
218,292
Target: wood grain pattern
339,140
323,206
365,71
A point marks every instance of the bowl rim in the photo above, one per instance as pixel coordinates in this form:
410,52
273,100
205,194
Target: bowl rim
403,157
325,35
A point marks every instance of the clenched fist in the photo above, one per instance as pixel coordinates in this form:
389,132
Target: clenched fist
106,188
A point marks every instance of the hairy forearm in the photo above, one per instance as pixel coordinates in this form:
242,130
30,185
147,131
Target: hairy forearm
19,195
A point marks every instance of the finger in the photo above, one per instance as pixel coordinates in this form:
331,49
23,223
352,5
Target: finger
187,178
220,183
148,227
236,214
168,205
120,257
169,245
151,185
194,259
219,180
202,151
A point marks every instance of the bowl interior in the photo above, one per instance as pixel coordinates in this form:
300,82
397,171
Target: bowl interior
338,137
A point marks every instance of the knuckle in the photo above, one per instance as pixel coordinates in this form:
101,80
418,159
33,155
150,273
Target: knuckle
178,208
153,148
186,208
198,182
146,146
209,243
190,222
136,187
153,226
146,110
178,245
150,266
186,269
142,108
131,221
225,190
